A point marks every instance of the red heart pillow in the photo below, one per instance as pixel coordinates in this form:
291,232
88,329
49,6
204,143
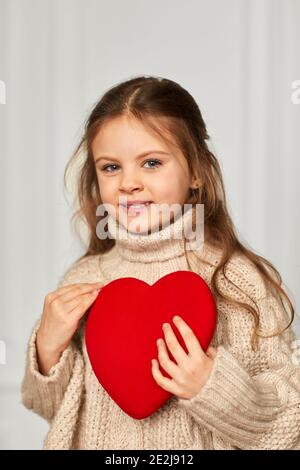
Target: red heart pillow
124,323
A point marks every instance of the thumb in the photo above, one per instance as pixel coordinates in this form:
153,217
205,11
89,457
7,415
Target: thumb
211,352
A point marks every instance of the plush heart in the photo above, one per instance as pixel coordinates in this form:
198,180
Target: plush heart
124,323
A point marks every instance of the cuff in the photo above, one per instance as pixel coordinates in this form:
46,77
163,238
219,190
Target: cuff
211,381
232,399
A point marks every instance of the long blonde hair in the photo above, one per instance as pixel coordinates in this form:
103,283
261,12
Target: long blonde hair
169,110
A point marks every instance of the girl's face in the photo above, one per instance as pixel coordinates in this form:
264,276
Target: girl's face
134,165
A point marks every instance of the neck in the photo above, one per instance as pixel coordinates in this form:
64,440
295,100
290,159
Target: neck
151,256
159,245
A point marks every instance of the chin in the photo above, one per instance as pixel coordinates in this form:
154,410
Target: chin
148,222
140,224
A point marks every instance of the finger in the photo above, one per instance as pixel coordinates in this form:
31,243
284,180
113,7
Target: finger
81,300
73,290
163,382
164,360
174,346
190,339
79,310
79,291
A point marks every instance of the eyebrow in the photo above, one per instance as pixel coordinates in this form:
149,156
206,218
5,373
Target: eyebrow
148,152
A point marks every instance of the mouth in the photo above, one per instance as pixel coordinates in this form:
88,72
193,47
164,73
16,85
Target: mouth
134,207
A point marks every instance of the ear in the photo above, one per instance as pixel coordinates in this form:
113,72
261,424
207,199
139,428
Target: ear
195,183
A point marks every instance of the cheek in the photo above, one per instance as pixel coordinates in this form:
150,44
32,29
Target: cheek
177,173
107,187
169,192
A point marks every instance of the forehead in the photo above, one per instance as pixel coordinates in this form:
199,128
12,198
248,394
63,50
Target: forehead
127,135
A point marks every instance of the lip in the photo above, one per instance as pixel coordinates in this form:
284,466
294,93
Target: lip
135,203
133,209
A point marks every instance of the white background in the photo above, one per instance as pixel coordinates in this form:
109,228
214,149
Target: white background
238,58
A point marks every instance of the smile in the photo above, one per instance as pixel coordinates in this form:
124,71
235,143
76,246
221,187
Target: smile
136,207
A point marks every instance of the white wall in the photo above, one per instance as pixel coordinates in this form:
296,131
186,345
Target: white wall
238,58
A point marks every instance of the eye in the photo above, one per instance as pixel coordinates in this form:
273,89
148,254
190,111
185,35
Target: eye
105,168
155,161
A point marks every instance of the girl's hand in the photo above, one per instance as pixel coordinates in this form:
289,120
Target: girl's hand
63,309
191,371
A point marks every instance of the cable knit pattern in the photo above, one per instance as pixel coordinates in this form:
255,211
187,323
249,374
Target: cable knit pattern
251,399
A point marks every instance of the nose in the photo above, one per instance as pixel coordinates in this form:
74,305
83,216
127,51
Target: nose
130,183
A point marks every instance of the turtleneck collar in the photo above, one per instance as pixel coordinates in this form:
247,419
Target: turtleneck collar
159,245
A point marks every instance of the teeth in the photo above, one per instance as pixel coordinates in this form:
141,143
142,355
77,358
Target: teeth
138,205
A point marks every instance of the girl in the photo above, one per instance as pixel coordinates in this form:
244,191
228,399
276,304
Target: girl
146,142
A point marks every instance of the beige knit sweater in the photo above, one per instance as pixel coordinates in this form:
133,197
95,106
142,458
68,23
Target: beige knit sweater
250,401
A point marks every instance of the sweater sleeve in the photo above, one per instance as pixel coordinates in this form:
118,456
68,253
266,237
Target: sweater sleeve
44,393
253,407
